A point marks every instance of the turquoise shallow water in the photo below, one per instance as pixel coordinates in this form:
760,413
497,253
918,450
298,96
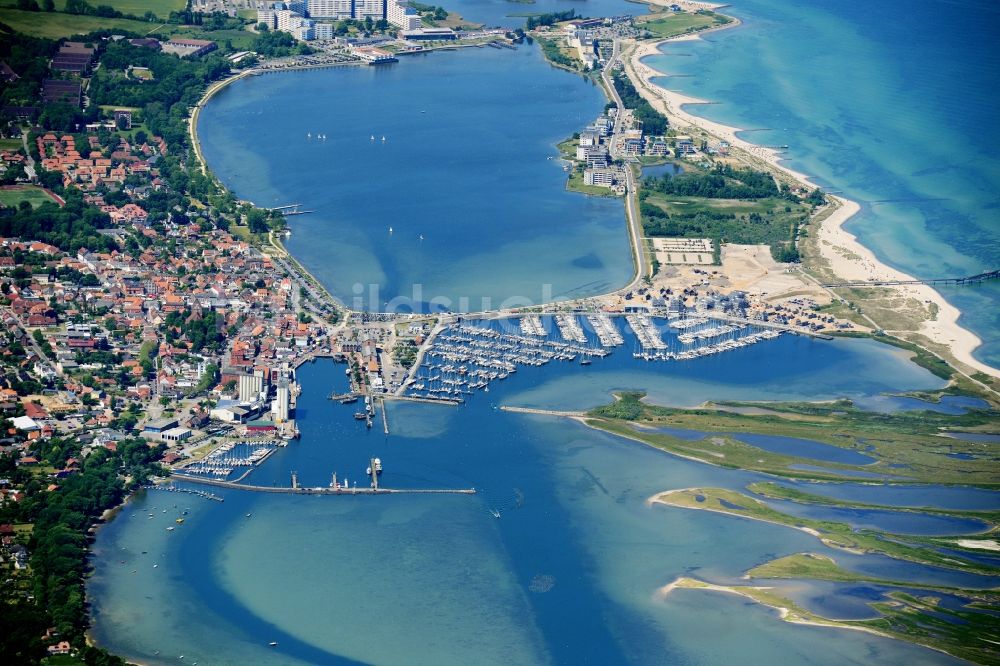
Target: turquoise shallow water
890,104
567,575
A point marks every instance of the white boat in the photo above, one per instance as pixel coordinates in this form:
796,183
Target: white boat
373,137
309,135
383,138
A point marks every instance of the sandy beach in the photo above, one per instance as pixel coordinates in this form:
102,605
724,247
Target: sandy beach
847,258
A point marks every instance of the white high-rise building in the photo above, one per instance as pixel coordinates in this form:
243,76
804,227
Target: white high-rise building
400,14
287,20
369,8
268,17
340,9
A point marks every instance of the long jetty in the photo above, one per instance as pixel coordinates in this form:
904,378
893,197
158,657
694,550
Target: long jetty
321,490
543,412
970,279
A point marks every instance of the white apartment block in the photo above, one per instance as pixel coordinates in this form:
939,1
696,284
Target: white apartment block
400,14
324,30
369,8
268,17
599,177
340,9
287,20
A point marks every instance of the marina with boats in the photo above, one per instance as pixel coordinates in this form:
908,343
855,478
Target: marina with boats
466,357
230,456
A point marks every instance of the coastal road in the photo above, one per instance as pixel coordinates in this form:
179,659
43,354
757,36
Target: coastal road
643,268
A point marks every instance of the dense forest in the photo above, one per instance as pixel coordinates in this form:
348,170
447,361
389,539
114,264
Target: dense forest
722,182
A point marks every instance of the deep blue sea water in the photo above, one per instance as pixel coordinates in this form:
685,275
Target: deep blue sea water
891,104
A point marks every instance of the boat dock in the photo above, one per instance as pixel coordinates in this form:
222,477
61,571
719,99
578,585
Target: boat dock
606,330
531,325
569,329
645,330
229,456
188,491
464,358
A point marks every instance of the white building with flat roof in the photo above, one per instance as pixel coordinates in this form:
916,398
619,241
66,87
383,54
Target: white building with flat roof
599,177
324,30
369,8
286,20
268,17
400,14
340,9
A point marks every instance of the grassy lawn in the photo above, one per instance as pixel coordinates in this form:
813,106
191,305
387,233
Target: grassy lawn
678,24
161,8
35,195
54,25
10,144
576,184
769,221
241,39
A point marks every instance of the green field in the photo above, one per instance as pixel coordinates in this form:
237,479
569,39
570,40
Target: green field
161,8
55,25
10,144
681,23
30,193
575,184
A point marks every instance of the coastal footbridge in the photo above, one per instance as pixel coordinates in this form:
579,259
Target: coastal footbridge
970,279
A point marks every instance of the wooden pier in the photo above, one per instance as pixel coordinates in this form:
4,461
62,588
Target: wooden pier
320,490
970,279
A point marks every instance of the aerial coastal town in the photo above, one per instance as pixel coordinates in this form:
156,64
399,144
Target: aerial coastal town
154,324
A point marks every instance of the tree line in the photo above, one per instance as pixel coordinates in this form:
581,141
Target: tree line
653,122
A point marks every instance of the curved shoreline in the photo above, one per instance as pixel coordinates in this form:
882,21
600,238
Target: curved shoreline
846,255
